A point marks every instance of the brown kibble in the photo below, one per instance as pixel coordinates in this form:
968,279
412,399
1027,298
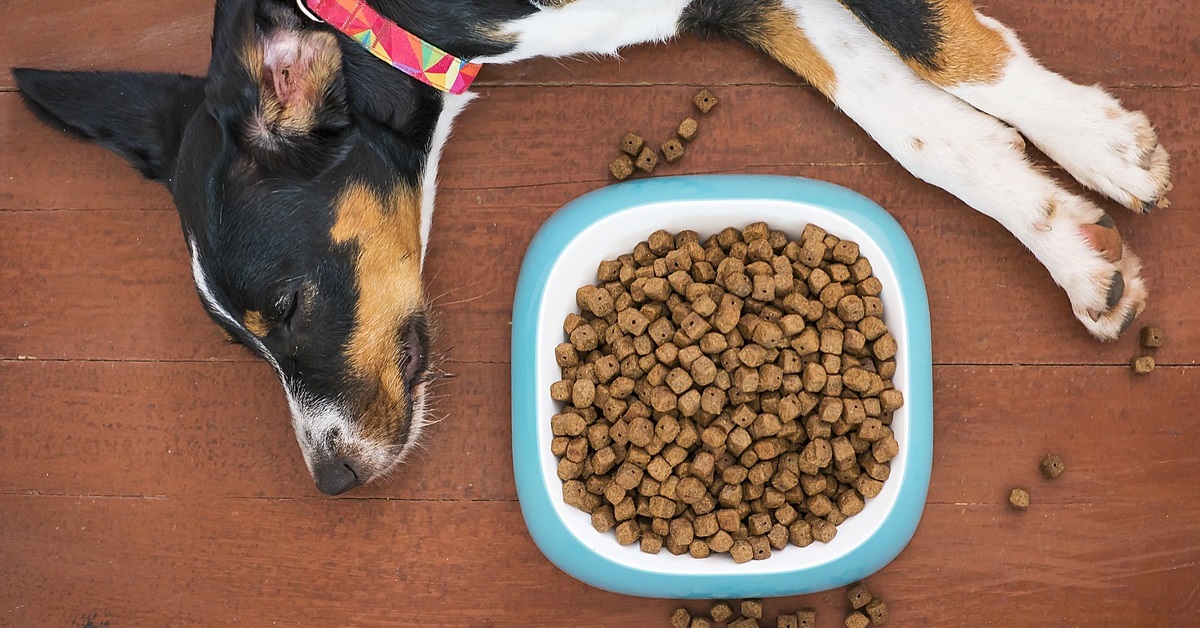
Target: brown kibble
1143,364
1052,466
859,595
752,609
787,621
741,552
885,449
704,100
651,543
687,129
877,611
720,612
1152,337
672,150
806,618
647,161
845,252
1019,498
823,531
621,167
681,618
628,532
885,347
890,400
632,144
857,620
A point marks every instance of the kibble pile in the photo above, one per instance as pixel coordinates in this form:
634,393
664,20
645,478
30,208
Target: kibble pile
731,395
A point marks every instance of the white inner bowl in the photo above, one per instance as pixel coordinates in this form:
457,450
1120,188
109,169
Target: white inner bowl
617,234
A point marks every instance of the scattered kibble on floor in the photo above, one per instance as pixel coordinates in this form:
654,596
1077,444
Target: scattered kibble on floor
1019,498
1152,337
1143,364
1052,466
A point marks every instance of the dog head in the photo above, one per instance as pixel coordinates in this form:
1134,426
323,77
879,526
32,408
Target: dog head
296,167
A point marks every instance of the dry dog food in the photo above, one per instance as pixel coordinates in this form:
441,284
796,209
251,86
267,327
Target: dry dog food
647,160
705,100
1019,498
687,129
857,620
1142,364
727,395
632,144
621,167
672,150
1052,466
1153,337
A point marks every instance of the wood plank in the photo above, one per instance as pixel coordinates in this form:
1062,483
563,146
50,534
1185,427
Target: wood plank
387,563
116,284
48,170
1092,41
219,429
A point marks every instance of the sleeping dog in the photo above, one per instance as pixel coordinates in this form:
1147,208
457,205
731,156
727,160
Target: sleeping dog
303,167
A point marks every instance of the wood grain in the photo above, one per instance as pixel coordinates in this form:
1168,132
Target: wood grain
145,561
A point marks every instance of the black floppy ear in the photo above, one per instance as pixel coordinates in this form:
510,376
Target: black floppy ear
140,116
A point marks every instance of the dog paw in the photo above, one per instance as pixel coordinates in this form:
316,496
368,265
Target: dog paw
1100,274
1110,150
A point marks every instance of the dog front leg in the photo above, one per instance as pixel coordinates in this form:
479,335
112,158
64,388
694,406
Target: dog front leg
946,142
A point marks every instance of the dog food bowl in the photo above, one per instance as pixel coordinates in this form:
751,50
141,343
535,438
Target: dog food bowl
603,224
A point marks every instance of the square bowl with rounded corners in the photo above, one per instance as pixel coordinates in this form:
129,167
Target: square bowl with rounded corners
608,222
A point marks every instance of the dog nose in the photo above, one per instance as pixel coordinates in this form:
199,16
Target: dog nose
335,477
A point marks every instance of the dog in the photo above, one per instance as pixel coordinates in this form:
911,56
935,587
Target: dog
303,168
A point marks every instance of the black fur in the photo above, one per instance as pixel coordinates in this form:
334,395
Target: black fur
732,19
139,116
910,27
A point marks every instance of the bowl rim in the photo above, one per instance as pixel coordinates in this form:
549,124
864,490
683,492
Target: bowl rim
550,533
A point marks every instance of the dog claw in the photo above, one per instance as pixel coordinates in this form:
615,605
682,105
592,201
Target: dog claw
1116,290
1132,314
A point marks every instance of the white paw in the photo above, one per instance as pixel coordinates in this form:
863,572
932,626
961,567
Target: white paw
1099,273
1105,147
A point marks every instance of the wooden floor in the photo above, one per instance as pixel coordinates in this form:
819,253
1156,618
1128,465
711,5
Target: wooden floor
149,477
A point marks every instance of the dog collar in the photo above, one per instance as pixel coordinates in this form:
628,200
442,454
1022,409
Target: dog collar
388,41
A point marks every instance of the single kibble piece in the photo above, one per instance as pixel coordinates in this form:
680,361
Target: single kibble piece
621,167
1153,337
1019,498
632,144
859,595
720,612
687,129
745,622
1053,466
681,618
752,609
857,620
786,621
1143,364
672,150
877,611
701,622
704,100
806,618
647,160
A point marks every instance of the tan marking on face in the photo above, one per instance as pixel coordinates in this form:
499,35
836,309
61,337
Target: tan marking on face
386,232
918,143
969,53
293,70
255,323
782,39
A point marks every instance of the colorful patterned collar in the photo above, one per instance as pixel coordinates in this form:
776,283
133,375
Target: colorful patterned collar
385,39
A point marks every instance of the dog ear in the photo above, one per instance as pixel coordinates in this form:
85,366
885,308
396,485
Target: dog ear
139,116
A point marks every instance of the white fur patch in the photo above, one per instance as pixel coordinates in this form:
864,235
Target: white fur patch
452,105
591,27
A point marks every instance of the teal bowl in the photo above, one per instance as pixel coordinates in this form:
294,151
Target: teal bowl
610,221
